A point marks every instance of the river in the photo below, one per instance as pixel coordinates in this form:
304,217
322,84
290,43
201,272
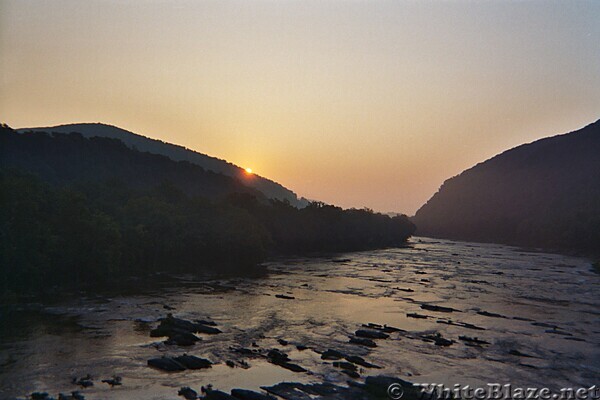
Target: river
539,312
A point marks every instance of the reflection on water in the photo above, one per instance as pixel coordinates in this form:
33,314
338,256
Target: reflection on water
540,312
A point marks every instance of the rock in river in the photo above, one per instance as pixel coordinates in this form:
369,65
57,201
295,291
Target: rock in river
331,354
244,394
431,307
370,334
166,364
182,339
363,341
188,393
193,362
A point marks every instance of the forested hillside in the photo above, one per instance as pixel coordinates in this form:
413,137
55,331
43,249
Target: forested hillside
542,194
270,189
76,211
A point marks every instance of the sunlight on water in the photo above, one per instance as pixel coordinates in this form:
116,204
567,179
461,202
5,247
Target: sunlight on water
544,306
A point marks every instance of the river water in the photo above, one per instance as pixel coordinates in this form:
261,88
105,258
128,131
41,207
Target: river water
539,312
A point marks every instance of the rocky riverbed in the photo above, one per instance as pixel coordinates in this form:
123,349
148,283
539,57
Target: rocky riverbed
326,327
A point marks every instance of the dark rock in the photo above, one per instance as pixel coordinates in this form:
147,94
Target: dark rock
489,314
288,391
415,315
437,339
244,394
383,328
283,296
177,323
193,362
474,340
230,364
73,396
209,330
282,342
301,347
39,396
277,355
522,319
331,354
515,352
114,381
84,382
350,373
288,365
479,281
188,393
206,322
528,365
168,331
183,339
373,388
377,387
361,361
244,351
218,395
166,364
345,365
371,334
363,341
431,307
172,327
407,290
341,260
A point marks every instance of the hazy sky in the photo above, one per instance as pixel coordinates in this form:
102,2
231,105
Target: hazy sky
356,103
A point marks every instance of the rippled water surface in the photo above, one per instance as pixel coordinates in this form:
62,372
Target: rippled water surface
544,328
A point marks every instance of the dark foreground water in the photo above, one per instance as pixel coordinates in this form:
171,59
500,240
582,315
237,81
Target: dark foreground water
539,312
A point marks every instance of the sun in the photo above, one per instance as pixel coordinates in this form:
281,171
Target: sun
249,170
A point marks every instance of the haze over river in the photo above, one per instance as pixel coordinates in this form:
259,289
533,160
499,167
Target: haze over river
539,312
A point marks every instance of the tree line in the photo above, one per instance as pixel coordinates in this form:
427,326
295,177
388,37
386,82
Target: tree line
81,232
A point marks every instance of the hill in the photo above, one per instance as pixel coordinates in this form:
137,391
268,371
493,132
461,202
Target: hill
67,159
77,212
175,152
542,194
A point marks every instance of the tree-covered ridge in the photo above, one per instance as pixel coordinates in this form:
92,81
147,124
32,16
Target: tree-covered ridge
178,153
541,194
97,223
73,159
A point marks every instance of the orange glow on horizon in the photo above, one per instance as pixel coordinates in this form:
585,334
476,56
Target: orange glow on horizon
358,104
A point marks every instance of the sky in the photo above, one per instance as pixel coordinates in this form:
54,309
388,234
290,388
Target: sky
355,103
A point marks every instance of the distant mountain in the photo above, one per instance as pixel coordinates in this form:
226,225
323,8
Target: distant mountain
178,153
542,194
66,159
